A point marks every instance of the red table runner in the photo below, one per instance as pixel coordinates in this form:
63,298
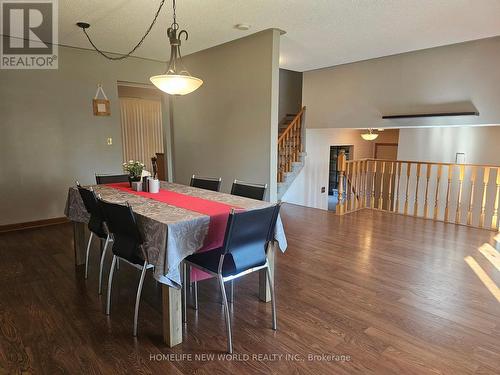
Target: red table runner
218,212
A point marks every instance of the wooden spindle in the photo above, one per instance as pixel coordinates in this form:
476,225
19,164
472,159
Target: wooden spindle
365,188
389,196
426,199
436,197
341,166
347,187
470,210
458,213
486,179
448,190
354,203
280,157
397,187
374,175
360,183
295,153
299,132
289,153
415,204
408,172
494,219
381,193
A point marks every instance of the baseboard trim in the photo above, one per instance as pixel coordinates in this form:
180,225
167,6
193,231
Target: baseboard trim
33,224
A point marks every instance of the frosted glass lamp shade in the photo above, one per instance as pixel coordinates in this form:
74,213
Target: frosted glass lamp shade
369,136
176,84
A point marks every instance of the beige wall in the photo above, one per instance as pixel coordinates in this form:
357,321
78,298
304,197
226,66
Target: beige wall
290,95
228,127
49,135
306,189
457,77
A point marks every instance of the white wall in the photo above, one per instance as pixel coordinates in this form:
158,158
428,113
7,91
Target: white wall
229,126
481,144
306,189
443,79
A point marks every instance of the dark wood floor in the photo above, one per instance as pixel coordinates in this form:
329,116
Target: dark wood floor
393,293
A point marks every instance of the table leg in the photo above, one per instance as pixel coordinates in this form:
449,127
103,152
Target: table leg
171,315
81,236
264,291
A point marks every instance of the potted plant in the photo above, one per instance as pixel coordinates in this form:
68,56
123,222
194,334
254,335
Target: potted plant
134,169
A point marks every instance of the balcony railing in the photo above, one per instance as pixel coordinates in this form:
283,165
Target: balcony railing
466,194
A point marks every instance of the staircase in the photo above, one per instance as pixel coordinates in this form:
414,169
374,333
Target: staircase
290,150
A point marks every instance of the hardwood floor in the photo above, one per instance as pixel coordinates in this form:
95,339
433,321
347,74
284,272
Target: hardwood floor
391,294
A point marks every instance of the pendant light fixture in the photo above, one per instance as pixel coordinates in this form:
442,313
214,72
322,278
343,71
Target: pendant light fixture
176,80
370,136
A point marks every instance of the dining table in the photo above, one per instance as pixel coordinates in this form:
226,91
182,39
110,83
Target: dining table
174,223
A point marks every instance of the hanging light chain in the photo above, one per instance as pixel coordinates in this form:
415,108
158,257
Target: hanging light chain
175,15
121,57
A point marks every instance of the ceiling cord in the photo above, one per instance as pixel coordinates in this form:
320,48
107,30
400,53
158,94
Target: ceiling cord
121,57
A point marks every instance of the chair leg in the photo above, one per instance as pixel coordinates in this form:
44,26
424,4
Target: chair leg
118,264
101,266
273,299
195,295
138,297
110,283
231,291
226,312
87,255
185,286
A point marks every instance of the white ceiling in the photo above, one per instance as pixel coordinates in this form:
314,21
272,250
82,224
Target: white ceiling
319,33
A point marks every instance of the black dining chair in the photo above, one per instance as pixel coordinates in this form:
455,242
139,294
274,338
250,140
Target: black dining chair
127,246
207,183
247,237
110,178
248,190
97,227
242,189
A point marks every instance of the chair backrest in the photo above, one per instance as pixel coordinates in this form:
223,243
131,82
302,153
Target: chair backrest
90,201
110,178
121,223
207,183
96,221
248,234
248,190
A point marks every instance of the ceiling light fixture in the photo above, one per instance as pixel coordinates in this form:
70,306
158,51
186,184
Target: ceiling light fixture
370,136
176,80
242,26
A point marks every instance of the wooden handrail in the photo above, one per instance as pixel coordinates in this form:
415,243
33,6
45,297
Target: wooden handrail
290,145
289,128
423,162
465,194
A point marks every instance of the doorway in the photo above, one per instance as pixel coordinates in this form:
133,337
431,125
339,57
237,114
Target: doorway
334,175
